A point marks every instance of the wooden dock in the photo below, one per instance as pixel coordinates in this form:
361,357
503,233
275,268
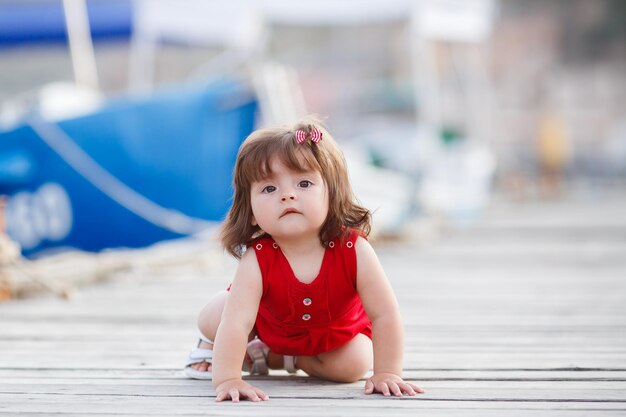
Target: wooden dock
521,314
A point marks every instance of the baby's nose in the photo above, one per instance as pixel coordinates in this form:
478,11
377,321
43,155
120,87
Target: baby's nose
288,196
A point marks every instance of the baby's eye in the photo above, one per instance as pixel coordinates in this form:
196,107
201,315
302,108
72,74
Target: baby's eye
305,184
268,189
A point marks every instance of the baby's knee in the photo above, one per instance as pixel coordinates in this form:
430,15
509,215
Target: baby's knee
350,366
352,371
362,364
211,314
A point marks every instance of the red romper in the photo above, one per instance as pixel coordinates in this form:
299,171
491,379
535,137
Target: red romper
301,319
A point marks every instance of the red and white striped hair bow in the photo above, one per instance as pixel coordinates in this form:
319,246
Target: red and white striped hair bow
315,135
300,136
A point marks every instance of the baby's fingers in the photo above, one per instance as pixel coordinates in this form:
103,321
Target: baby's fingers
224,395
254,394
369,386
395,389
234,394
415,388
383,388
262,395
407,388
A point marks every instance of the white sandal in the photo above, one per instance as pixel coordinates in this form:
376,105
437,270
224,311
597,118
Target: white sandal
199,355
257,351
289,363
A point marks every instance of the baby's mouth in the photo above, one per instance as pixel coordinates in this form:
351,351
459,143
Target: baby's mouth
289,211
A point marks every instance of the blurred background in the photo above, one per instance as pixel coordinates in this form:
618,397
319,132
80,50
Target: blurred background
120,120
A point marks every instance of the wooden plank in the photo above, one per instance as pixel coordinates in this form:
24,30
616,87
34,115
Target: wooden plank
447,359
279,406
305,387
156,375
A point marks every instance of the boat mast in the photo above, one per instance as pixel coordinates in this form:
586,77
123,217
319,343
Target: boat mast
81,45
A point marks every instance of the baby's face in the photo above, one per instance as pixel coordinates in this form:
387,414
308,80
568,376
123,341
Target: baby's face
289,204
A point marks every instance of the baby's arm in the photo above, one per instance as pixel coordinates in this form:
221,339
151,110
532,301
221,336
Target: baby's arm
382,309
231,339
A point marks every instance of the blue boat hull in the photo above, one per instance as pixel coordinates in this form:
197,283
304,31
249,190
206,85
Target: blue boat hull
172,153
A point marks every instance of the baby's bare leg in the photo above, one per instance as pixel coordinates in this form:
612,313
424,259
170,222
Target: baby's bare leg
347,363
211,315
208,321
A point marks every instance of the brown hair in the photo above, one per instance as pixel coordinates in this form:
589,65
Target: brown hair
253,164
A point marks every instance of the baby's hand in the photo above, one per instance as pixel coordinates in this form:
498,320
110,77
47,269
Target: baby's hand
235,388
388,383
